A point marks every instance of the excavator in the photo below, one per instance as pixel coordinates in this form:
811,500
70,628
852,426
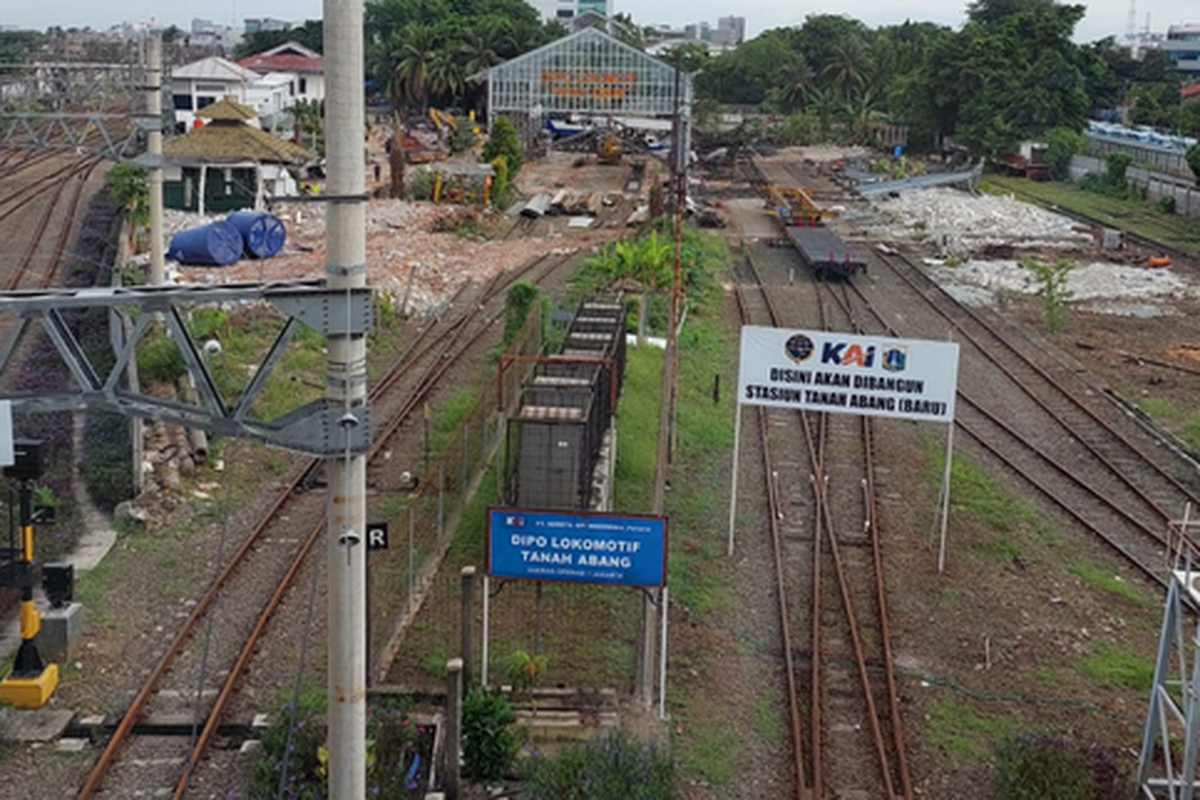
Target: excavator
608,149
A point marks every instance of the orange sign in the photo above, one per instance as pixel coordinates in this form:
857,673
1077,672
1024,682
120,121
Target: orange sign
566,83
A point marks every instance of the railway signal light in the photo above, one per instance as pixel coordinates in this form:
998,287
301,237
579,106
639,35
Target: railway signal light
32,680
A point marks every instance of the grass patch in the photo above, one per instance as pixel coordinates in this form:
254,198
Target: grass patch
768,722
1000,521
712,752
1107,582
1159,408
1191,433
89,592
637,431
1137,216
1115,666
964,734
448,418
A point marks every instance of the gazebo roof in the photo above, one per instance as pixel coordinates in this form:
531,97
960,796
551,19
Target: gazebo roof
233,141
227,110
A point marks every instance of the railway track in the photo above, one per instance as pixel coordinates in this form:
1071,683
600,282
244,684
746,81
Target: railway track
1066,437
37,212
197,677
1011,392
845,726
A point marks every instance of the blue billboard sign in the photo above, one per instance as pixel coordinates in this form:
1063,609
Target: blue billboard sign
577,546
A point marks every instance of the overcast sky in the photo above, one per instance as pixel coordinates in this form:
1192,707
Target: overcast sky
1104,17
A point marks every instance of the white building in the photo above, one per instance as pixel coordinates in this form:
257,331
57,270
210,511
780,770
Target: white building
565,10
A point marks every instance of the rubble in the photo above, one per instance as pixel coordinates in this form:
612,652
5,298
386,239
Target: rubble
1095,286
957,223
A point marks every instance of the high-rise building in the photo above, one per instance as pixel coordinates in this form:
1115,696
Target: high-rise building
564,10
1183,46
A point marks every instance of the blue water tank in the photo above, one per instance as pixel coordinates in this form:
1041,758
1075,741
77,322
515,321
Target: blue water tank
217,244
262,234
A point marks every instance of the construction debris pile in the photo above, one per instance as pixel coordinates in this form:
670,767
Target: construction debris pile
959,224
1098,287
409,252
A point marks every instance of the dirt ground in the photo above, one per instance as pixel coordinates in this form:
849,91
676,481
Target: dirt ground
990,647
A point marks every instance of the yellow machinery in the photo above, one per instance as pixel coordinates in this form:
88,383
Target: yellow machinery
609,150
445,123
794,206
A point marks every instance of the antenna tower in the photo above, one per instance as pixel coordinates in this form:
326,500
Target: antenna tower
1131,21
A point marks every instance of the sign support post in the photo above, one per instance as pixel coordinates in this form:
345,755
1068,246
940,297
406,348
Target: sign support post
737,437
944,496
842,373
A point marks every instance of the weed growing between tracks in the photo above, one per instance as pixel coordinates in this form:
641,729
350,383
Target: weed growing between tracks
1061,643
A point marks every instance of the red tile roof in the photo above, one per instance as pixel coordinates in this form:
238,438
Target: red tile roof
283,62
1191,90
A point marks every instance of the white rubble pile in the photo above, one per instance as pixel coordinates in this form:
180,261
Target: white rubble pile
1096,286
959,223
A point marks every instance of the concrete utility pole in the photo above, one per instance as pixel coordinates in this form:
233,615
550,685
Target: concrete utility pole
346,385
154,149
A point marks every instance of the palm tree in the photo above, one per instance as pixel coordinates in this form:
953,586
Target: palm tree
796,82
445,77
825,102
849,67
418,48
481,44
860,110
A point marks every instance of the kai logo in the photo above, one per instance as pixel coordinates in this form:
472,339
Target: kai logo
799,348
848,355
895,359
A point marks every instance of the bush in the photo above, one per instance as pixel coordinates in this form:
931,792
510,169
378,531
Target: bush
1061,145
109,475
521,298
488,745
292,744
501,192
615,767
1036,767
1165,204
504,142
398,752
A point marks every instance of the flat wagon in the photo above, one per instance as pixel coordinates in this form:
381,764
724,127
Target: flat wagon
824,252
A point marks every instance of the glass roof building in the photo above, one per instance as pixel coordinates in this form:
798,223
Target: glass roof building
587,74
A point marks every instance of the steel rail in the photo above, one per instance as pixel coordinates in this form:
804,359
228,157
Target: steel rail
1159,537
793,691
64,233
879,594
300,477
816,689
907,276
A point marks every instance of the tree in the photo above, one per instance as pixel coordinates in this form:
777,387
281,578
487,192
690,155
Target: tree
129,191
311,34
849,66
504,142
411,72
1061,145
16,47
1010,76
1193,161
446,77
